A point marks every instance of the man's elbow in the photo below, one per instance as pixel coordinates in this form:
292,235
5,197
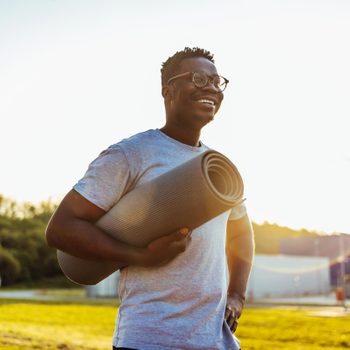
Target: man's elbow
52,234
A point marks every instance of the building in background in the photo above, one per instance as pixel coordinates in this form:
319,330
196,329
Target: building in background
272,276
276,276
335,247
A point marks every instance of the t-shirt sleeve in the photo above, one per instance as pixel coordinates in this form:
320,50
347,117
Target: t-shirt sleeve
238,212
107,178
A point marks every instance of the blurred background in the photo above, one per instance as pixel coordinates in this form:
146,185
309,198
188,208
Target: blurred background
78,76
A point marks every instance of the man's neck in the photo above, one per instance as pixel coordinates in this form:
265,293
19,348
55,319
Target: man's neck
188,137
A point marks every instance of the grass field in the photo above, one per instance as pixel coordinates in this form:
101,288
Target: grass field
71,326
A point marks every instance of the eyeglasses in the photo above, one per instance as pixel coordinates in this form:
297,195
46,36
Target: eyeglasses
201,80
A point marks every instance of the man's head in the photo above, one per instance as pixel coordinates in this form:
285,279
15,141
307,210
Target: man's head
171,66
191,87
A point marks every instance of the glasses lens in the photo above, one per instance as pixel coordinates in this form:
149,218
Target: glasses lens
200,79
219,83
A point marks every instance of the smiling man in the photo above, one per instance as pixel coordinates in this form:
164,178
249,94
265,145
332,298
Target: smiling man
174,292
191,97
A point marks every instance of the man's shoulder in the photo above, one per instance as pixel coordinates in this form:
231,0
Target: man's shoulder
136,140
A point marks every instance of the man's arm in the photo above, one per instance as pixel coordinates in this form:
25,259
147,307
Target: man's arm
240,253
72,230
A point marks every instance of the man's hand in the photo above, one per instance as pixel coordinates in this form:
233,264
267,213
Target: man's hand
165,248
234,308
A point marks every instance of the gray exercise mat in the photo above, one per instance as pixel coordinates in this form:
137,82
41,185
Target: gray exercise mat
187,196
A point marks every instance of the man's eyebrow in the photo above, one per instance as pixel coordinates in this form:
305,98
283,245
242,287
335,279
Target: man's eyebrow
207,73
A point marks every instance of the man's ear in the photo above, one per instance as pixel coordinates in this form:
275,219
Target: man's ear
165,91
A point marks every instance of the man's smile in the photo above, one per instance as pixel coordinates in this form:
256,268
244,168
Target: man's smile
207,101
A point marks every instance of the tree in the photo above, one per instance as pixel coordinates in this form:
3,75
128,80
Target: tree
9,267
25,255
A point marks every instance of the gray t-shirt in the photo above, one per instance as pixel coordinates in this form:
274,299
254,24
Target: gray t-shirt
179,305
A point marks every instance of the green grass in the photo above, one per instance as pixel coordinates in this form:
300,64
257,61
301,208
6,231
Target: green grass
55,326
297,329
27,325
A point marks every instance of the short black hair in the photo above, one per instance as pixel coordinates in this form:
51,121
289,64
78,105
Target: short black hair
172,63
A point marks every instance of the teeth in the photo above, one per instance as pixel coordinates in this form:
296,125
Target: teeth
207,101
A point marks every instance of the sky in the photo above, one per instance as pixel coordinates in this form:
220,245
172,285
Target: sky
78,76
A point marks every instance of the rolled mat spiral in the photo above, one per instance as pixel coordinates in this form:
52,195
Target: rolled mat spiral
187,196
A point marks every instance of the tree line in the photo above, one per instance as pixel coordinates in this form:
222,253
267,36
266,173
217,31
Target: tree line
25,256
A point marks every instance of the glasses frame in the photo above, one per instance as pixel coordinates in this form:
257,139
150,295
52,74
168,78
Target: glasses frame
209,79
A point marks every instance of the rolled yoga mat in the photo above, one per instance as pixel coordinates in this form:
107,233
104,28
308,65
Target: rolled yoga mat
187,196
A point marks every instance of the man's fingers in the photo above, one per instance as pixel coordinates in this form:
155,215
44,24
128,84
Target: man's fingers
182,233
232,323
177,235
180,245
230,311
167,247
227,313
234,326
231,319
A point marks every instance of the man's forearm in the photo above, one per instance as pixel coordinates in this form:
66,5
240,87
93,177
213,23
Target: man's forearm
239,271
240,253
83,239
72,229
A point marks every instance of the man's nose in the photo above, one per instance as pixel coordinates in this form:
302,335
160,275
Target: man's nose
210,86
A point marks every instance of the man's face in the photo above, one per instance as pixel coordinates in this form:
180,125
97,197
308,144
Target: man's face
190,105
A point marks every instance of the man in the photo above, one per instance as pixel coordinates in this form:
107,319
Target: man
174,293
